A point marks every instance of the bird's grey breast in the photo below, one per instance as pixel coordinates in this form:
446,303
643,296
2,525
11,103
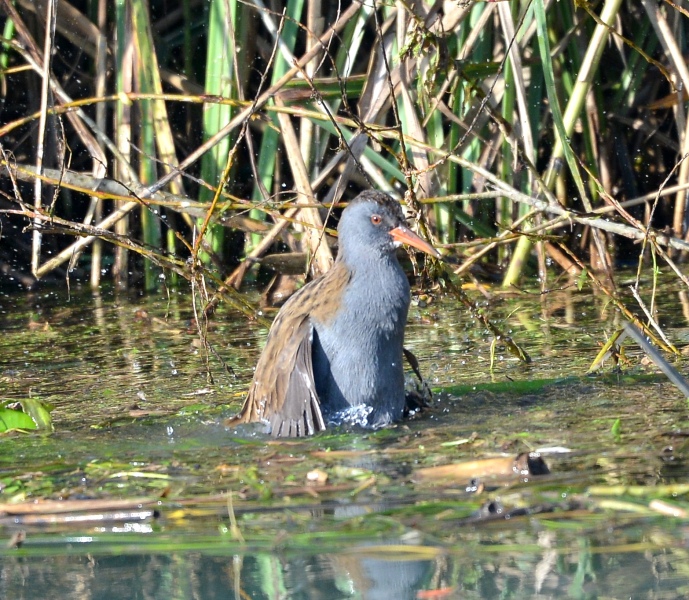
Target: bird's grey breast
358,353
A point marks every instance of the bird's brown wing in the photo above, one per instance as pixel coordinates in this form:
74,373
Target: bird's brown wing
300,413
283,391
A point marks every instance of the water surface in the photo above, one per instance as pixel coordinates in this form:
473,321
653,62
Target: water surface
210,512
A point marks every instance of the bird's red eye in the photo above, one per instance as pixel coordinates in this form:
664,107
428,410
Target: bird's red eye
376,219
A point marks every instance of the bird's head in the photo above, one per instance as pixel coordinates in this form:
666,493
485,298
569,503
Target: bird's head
374,222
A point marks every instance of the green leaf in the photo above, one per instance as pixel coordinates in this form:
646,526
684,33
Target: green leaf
39,412
33,415
11,420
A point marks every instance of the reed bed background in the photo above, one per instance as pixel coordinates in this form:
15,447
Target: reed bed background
533,142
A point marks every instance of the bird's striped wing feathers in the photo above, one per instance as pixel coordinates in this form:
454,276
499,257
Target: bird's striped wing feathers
283,392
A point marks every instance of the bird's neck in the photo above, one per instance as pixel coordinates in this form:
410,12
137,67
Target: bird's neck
365,263
378,287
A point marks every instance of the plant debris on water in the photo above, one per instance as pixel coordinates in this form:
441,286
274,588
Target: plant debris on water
139,443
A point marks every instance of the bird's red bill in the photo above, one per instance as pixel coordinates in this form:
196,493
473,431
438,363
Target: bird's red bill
406,236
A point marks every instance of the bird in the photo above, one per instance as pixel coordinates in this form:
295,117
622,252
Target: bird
335,349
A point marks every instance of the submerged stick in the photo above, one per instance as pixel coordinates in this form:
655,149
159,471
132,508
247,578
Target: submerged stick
670,372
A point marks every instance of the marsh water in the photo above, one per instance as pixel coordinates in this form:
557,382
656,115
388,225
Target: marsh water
141,491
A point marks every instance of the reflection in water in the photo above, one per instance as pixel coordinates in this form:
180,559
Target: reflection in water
189,576
615,563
